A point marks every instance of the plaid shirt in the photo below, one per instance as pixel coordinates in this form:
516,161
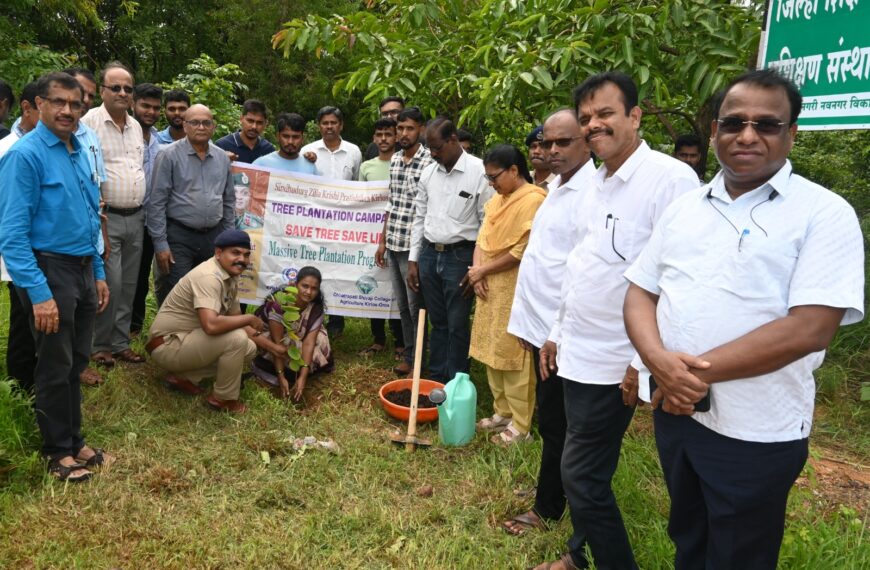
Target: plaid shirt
403,190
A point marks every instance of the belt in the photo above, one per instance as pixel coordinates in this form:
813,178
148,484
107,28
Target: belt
123,211
449,246
155,343
190,229
77,259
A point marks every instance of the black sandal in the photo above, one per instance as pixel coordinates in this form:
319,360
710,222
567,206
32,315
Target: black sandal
96,460
64,472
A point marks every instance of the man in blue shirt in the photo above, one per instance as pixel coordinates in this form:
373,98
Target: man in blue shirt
291,138
49,232
175,104
247,144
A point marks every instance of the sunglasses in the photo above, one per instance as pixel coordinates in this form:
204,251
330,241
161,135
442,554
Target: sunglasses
734,125
119,88
561,143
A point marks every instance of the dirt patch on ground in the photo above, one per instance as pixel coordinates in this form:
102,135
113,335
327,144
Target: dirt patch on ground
839,482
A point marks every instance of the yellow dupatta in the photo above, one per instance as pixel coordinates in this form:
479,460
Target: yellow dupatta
508,218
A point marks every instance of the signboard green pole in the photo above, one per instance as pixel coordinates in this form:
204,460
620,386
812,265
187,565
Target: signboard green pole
824,47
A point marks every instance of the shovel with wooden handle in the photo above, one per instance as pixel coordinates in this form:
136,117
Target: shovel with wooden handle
411,440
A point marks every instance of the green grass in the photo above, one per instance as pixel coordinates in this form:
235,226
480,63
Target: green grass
191,488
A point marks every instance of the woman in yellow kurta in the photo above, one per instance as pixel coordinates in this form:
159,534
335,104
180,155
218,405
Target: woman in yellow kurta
500,244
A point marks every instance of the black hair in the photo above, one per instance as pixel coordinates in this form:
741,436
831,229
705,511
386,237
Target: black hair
64,80
592,84
113,65
6,93
412,113
690,139
443,126
766,79
176,95
330,110
147,91
309,271
391,99
29,93
81,71
463,135
385,124
293,121
505,156
254,106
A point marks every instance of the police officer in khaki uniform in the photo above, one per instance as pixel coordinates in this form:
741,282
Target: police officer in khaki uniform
200,331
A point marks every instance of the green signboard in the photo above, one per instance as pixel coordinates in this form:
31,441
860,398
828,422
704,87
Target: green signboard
824,47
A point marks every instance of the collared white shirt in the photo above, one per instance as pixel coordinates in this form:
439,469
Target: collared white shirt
792,243
448,207
342,164
555,231
619,213
123,156
15,133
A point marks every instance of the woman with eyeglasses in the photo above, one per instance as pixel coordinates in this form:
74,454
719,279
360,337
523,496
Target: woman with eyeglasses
501,241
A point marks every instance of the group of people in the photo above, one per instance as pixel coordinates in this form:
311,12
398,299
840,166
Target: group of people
591,287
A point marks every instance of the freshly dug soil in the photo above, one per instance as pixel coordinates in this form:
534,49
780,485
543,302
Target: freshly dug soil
403,398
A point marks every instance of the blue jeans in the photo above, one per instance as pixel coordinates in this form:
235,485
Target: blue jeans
449,312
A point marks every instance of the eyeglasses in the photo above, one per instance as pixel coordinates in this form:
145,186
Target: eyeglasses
561,143
57,104
492,177
205,123
735,125
119,88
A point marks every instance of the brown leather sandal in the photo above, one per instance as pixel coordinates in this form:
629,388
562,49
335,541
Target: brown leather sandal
524,522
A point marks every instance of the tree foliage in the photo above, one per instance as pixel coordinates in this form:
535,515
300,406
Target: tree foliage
504,64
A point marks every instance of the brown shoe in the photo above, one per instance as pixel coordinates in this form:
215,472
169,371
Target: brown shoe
403,369
181,385
231,406
90,377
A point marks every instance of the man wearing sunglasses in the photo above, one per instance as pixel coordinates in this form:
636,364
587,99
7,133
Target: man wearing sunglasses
587,345
743,284
191,199
123,191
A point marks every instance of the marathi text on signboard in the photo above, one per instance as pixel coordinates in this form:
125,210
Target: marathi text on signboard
824,47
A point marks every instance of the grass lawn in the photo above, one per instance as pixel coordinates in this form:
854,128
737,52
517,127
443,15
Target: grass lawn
197,489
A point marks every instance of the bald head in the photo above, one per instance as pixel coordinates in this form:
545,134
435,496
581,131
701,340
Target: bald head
568,151
198,125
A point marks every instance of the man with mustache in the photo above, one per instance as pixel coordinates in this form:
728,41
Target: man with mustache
200,330
175,103
123,192
542,173
337,159
395,243
147,99
588,346
191,198
247,144
49,235
290,128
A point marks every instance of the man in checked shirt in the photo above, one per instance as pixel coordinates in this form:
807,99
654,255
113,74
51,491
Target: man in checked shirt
395,244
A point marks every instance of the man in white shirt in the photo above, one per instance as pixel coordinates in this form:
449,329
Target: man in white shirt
588,341
739,291
123,191
536,299
448,210
337,159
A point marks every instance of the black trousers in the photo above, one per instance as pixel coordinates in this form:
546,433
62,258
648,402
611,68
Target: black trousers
143,282
550,495
20,347
189,249
62,356
728,497
379,332
597,420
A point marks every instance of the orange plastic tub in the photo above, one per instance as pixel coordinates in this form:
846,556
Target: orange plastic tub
424,415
